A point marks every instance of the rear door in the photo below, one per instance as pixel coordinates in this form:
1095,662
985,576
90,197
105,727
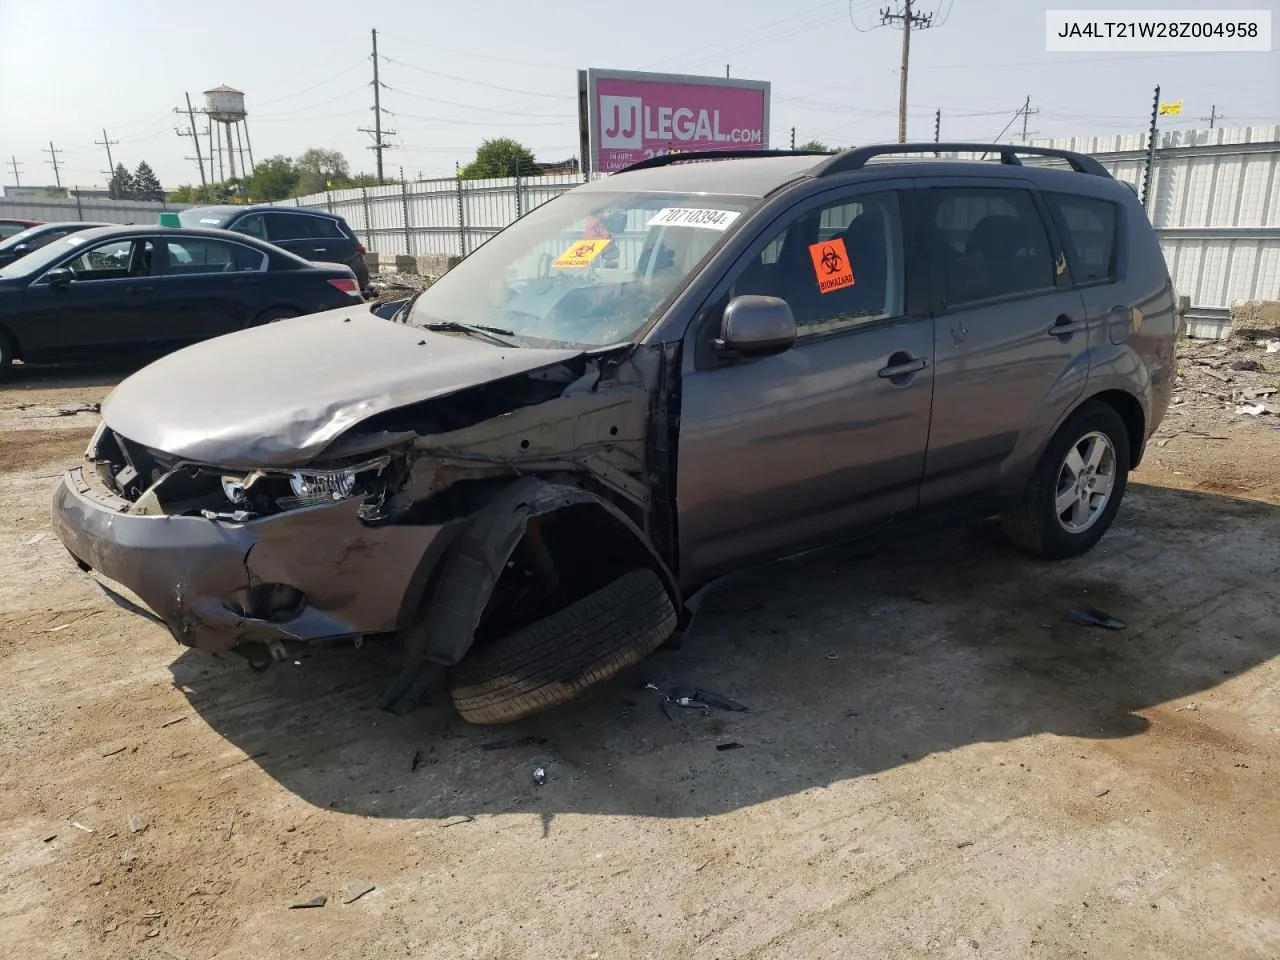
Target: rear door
828,438
208,287
1011,335
310,236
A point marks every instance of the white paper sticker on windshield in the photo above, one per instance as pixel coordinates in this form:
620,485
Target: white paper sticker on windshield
693,217
74,240
214,220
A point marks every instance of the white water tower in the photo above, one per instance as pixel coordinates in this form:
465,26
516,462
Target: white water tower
224,106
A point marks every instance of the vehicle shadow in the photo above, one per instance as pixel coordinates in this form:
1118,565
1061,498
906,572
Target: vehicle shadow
850,665
100,373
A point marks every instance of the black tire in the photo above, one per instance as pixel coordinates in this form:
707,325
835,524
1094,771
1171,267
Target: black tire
1033,524
271,316
6,356
552,661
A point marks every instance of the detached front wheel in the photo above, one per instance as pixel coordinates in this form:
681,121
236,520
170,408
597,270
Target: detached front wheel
553,660
1077,486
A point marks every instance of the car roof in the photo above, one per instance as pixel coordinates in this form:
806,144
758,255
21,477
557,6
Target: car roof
60,224
155,229
762,176
228,209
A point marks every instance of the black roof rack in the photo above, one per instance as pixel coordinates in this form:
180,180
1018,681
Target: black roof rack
856,158
693,156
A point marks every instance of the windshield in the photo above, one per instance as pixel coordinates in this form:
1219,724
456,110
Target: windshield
586,269
203,217
50,253
18,238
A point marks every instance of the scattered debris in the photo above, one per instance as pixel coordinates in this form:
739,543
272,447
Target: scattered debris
518,742
733,745
964,843
718,700
58,629
1189,706
152,915
112,751
172,721
833,656
319,901
1216,374
1258,409
136,824
34,540
1273,346
81,826
849,714
231,824
1246,366
416,762
463,818
539,776
1092,617
50,838
1102,793
71,409
357,890
95,882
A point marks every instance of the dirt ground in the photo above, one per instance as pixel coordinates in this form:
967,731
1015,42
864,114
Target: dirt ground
934,764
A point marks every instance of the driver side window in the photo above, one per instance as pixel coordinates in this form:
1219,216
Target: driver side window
837,266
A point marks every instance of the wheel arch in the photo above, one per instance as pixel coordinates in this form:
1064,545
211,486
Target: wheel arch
1132,413
476,559
11,341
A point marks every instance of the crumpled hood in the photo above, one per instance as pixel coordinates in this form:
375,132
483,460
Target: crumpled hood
277,395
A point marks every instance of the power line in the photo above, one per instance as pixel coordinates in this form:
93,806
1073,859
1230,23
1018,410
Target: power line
480,83
53,161
307,89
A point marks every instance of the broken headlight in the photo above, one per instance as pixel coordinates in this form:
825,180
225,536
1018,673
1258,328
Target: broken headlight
313,487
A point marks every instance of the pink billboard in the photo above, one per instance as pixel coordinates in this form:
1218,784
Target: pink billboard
632,116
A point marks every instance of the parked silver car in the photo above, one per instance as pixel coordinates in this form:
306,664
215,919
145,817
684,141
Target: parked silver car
530,475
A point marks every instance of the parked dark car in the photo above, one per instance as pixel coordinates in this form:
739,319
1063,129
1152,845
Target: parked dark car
311,234
33,238
119,289
532,477
9,227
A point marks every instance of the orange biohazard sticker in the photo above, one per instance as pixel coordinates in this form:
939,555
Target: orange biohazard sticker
831,265
581,254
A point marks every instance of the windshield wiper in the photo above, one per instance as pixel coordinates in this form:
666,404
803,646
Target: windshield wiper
496,334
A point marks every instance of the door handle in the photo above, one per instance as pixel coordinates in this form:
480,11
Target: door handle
319,249
1064,326
895,370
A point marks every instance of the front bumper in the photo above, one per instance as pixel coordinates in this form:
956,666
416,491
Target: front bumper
201,577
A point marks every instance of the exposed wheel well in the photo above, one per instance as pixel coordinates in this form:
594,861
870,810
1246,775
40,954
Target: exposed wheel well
1135,419
11,342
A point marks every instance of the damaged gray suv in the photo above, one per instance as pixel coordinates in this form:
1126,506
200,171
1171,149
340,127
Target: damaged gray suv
696,365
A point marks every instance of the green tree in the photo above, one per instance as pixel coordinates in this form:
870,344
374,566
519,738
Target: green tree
501,157
818,146
121,185
146,185
320,169
273,179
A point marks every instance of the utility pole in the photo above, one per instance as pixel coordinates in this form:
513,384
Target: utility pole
195,138
377,132
13,163
1151,148
1026,112
108,143
793,138
909,18
53,161
937,125
726,71
1213,115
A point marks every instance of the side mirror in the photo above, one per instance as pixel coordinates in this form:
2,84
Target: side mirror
60,276
22,249
756,326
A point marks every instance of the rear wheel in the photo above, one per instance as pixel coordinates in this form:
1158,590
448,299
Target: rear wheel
556,658
271,316
1077,486
6,356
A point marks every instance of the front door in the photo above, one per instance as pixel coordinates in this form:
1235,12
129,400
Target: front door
828,438
1011,336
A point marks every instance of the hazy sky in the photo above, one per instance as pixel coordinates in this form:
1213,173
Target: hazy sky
461,71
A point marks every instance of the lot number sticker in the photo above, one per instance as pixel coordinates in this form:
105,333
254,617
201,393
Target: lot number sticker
831,265
693,217
581,254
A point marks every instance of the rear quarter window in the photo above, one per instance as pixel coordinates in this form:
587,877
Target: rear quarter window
1088,228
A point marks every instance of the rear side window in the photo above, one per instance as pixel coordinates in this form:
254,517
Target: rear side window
987,244
197,255
285,226
322,227
252,225
1088,230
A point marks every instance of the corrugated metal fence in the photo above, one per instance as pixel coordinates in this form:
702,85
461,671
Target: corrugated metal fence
1214,199
53,210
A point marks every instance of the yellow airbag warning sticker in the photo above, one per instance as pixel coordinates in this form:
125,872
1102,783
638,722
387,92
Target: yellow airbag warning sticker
581,254
831,265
